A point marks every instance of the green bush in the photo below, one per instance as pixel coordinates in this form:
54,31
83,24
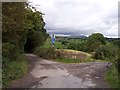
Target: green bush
94,41
64,42
79,45
47,53
112,77
34,39
10,51
22,29
13,69
106,51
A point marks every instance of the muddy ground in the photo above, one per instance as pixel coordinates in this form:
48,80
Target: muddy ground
48,74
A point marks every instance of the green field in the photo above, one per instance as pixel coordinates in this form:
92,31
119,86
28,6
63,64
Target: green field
48,43
59,45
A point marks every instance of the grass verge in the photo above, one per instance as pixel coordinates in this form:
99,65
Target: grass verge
14,70
112,77
68,60
64,55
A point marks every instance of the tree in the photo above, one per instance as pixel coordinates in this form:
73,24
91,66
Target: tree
79,45
106,51
13,28
36,32
19,25
13,39
94,41
34,39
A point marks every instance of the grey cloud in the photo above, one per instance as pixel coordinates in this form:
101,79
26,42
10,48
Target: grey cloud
80,16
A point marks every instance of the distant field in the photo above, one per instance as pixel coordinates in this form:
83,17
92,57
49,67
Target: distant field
67,55
58,45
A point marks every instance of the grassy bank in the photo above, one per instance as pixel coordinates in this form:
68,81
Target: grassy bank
112,77
64,55
72,56
14,70
68,60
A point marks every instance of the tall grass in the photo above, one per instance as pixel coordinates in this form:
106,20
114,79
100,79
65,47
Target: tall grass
112,77
63,55
14,69
70,60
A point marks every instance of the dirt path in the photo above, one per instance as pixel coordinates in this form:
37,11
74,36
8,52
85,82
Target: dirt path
48,74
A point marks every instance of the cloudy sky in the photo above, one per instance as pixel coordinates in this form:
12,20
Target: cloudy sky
79,17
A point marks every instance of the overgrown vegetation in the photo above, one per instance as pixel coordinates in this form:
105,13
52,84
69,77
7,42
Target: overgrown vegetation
77,45
23,29
63,55
13,69
106,51
12,41
89,44
101,48
36,34
68,60
47,53
112,77
94,41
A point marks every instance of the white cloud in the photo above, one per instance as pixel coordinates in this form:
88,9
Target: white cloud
80,16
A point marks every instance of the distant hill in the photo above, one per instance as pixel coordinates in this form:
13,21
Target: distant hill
72,36
78,36
111,39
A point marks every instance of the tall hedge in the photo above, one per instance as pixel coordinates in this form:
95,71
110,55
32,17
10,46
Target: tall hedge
19,25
